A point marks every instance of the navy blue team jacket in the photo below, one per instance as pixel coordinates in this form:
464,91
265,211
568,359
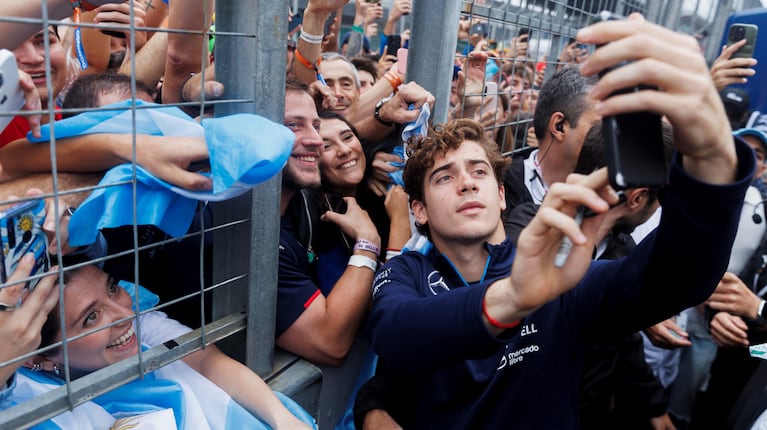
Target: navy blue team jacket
426,323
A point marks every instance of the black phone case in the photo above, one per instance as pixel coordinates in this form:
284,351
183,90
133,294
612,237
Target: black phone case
635,154
393,43
634,141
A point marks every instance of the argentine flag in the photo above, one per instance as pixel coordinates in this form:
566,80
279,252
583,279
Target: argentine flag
244,150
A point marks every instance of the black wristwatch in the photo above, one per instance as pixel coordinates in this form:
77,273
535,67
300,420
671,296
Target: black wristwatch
377,113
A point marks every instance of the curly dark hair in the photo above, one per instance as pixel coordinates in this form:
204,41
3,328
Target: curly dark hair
422,151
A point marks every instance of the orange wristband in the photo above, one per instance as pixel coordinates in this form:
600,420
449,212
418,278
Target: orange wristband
393,79
495,323
304,62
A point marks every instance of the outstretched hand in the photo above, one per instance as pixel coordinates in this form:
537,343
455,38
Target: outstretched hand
20,328
170,162
534,276
683,90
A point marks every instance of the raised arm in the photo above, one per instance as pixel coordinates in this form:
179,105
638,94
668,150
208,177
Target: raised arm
185,54
326,329
688,99
309,45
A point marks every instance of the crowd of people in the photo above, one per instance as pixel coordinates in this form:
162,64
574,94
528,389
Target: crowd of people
420,264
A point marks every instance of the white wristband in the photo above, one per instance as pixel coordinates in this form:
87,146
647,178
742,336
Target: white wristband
363,261
311,39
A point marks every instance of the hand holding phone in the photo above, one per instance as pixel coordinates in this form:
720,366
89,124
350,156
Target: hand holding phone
738,32
21,232
634,141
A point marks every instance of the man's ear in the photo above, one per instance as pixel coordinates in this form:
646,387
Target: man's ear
556,125
419,211
502,196
636,198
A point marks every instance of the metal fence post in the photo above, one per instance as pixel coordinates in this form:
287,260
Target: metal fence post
250,68
433,37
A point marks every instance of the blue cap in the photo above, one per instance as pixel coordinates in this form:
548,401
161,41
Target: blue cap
759,134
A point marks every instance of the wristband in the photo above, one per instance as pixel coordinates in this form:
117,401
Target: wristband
363,261
366,245
311,39
358,29
391,253
495,323
304,62
393,79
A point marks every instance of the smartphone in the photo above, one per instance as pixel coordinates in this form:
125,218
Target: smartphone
490,101
21,232
393,44
738,32
402,61
634,141
11,94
